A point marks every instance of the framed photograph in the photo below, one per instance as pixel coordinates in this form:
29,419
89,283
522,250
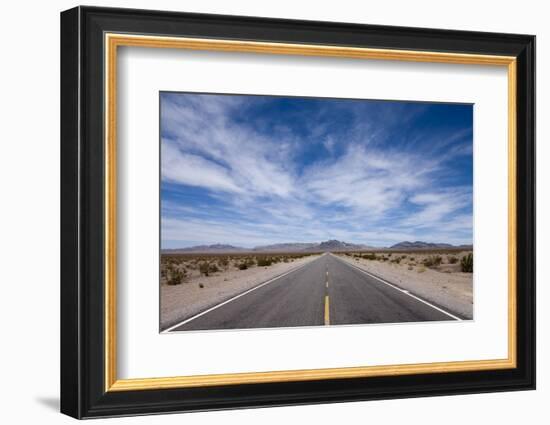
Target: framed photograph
261,212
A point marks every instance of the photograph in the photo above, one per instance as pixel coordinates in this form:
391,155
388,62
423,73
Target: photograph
279,211
285,210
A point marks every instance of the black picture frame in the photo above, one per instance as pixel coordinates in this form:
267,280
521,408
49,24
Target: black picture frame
83,392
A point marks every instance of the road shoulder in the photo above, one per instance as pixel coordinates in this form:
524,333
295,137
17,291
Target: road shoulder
180,302
451,292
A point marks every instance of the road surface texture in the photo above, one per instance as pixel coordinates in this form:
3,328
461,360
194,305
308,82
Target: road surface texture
325,291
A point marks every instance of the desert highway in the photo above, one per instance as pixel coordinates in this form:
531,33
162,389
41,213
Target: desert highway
324,291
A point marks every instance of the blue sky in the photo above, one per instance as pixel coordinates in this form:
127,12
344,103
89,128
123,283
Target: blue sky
255,170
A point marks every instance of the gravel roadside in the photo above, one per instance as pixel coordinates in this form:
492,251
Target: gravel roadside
200,293
451,291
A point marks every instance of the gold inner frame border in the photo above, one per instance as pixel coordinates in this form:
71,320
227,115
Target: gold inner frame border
113,40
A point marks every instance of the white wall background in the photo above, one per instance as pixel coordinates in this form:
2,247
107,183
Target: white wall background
29,217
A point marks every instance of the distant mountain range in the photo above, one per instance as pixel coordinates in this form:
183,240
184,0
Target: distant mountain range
326,246
207,248
330,245
426,245
334,245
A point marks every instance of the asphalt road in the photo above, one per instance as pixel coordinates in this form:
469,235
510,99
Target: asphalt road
325,291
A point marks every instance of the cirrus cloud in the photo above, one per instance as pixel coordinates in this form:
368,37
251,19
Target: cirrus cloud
251,170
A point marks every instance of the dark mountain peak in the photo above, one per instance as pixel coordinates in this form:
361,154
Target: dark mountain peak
336,245
421,245
222,246
218,247
331,242
282,247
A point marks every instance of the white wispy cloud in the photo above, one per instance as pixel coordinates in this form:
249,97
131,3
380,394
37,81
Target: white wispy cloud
436,206
363,180
194,170
245,159
363,190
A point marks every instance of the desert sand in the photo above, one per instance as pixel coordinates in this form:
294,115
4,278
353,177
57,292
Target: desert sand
444,285
199,292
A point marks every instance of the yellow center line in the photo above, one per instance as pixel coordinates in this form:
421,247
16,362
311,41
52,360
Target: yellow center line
327,311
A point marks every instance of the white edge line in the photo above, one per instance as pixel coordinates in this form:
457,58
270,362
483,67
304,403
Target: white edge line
232,299
404,291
